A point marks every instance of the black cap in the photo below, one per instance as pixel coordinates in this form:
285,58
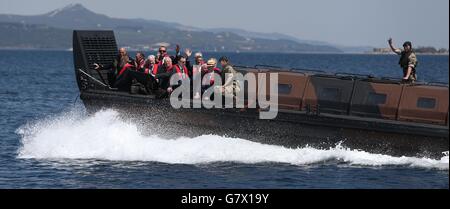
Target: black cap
408,43
223,59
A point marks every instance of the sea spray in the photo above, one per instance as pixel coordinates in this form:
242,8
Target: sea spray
104,135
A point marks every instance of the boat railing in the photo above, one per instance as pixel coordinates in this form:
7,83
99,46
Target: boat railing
289,71
355,75
267,66
243,67
389,78
339,75
437,83
264,69
382,80
96,80
307,70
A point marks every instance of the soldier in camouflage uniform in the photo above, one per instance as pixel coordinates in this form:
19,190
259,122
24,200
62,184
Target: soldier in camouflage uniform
230,86
408,61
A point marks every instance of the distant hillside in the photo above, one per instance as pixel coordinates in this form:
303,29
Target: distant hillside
23,36
76,16
272,36
53,30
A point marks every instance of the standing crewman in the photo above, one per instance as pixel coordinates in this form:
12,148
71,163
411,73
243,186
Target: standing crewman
408,61
230,85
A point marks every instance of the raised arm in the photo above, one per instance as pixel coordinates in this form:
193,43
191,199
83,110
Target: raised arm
395,50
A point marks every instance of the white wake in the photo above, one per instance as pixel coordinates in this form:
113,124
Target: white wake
107,137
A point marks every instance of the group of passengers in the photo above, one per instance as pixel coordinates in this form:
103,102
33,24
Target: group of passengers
154,72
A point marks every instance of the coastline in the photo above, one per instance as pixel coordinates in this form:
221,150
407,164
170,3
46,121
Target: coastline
428,54
255,52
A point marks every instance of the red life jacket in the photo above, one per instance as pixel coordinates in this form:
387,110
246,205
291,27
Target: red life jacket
140,64
161,57
126,66
178,69
156,68
154,71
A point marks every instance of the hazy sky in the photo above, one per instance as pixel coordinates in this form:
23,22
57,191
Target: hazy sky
345,22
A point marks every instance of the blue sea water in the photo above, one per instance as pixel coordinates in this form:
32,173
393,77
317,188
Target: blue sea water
47,140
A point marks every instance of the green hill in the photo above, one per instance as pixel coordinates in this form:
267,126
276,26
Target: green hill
53,30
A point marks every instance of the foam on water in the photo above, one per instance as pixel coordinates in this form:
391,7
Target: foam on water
107,137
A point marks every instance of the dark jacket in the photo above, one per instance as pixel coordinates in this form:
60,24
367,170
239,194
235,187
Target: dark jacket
113,69
116,65
164,75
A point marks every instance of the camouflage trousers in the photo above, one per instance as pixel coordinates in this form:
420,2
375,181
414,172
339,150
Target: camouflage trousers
228,91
